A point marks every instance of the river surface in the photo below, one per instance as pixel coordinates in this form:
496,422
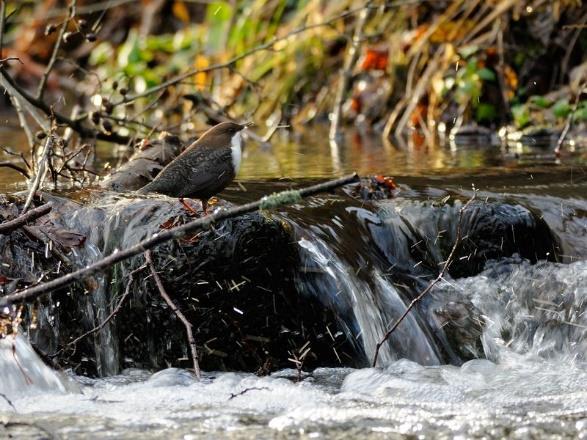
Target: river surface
532,384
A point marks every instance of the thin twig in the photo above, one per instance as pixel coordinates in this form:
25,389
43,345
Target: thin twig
15,167
416,300
76,125
51,64
8,401
246,390
21,117
23,219
40,173
569,123
43,237
9,152
178,313
164,236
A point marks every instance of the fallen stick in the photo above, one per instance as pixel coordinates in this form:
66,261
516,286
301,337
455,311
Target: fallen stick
178,313
267,202
23,219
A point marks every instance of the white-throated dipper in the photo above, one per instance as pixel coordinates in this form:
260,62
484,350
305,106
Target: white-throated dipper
204,168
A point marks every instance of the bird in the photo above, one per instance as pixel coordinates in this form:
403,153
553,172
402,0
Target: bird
204,168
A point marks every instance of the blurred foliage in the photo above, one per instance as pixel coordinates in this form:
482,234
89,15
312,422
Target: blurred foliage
496,61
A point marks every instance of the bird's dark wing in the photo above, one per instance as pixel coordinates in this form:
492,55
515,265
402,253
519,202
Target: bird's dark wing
208,174
201,173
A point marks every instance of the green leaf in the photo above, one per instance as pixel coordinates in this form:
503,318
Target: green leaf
562,108
521,115
218,15
130,51
540,101
485,112
467,51
581,113
101,54
486,74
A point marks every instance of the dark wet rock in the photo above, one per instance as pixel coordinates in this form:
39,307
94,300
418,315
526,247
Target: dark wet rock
536,136
461,322
495,230
473,134
329,275
490,230
233,282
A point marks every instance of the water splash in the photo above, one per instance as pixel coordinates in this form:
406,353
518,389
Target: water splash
23,373
369,308
537,310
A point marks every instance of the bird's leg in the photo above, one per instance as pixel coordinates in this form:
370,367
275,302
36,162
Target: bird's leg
187,207
205,206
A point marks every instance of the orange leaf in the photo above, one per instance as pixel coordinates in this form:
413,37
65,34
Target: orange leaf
169,223
418,115
201,78
180,10
356,104
511,78
375,59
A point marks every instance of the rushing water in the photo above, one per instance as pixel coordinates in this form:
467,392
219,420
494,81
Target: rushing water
528,378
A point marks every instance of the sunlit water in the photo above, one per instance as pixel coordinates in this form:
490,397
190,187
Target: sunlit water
518,393
532,384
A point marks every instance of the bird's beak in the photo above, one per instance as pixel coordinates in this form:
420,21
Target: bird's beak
248,124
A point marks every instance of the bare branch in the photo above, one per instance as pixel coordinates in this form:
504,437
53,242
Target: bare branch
416,300
15,167
40,173
21,220
178,313
53,58
76,125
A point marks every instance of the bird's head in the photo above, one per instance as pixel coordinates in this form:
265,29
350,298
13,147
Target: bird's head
225,133
229,129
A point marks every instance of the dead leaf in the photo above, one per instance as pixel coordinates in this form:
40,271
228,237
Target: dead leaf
375,58
170,223
63,237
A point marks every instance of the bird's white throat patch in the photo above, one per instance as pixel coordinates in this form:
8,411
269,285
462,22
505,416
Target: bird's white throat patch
236,146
